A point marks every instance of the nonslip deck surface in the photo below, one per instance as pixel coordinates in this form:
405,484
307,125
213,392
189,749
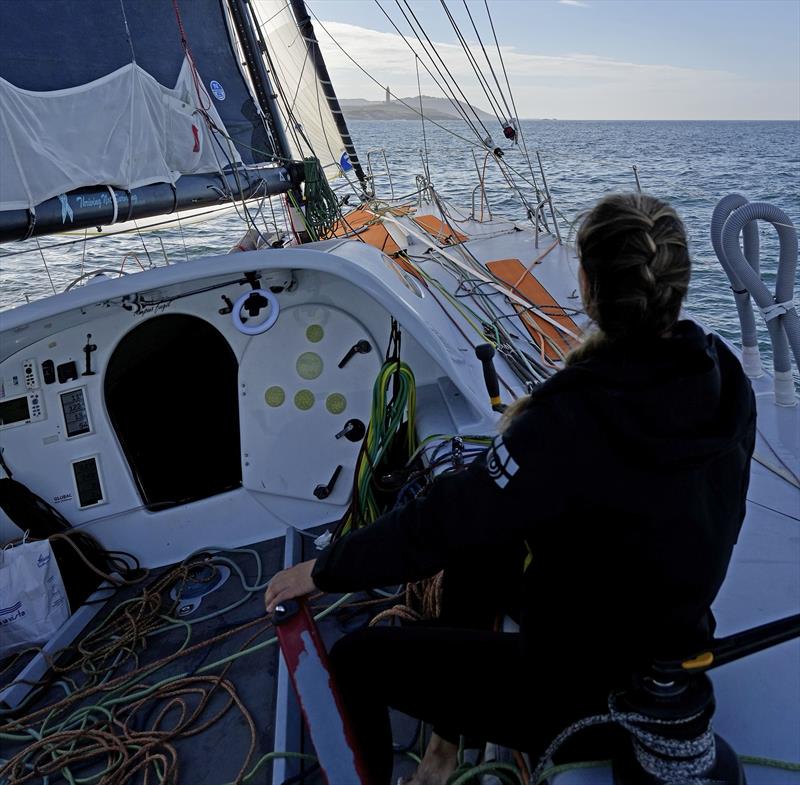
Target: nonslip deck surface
175,678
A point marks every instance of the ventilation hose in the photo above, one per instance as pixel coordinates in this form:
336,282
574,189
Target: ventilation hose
751,359
778,310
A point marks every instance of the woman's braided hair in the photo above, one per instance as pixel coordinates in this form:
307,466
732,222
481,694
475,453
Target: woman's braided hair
634,255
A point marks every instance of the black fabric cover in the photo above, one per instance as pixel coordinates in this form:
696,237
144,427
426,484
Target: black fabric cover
34,515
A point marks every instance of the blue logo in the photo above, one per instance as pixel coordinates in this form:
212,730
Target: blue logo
217,89
42,560
344,162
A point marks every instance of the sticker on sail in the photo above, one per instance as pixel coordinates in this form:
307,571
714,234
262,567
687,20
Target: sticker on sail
217,90
344,162
499,463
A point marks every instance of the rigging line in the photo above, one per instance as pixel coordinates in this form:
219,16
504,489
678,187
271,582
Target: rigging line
147,253
493,103
261,25
325,136
127,30
83,254
47,269
292,127
424,137
183,237
366,73
513,103
488,61
452,78
445,88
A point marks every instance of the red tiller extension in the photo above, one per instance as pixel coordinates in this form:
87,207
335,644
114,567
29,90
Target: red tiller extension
307,662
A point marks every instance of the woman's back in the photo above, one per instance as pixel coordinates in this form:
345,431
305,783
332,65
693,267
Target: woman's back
649,442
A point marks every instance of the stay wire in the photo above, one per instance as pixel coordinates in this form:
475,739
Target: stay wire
397,98
435,51
513,103
509,115
445,88
493,103
422,117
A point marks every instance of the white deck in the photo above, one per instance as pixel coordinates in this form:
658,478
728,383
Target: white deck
758,698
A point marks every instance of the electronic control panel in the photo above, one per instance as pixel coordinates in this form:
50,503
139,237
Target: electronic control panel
21,409
76,413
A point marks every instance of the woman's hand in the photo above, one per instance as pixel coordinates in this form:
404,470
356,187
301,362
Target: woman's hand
290,583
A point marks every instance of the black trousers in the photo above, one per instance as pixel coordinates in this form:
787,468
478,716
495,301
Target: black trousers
465,682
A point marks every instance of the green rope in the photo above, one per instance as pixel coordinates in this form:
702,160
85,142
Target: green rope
505,772
565,767
321,207
771,763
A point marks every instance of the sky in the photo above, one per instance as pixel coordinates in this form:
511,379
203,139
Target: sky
583,59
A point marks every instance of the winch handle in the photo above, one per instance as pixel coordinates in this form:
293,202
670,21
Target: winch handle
485,353
733,647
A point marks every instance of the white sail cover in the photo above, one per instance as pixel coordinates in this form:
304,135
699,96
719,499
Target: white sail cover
296,78
124,129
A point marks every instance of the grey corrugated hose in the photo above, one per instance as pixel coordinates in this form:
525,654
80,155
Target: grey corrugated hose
724,208
778,310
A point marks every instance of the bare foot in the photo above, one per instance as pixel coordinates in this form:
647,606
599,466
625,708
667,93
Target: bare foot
438,763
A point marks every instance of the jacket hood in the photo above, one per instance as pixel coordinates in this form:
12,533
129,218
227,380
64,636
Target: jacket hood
677,399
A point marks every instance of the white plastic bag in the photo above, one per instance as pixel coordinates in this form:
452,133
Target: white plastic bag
33,603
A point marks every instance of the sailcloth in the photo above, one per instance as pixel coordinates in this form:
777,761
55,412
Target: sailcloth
124,130
96,93
309,121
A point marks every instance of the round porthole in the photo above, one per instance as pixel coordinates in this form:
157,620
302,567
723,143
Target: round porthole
315,333
309,365
336,403
304,400
275,396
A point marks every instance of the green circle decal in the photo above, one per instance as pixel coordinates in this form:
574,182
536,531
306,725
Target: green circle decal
315,333
304,400
309,365
275,396
336,403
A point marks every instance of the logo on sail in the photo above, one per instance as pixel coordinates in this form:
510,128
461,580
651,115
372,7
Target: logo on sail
217,90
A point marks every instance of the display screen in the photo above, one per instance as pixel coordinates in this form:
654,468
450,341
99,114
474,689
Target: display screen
76,418
14,410
87,481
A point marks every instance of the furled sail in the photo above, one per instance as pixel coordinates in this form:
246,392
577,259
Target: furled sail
122,95
309,107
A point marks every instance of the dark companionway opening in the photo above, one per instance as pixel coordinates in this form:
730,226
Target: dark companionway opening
171,394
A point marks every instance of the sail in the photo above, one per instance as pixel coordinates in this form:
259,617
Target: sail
309,108
119,94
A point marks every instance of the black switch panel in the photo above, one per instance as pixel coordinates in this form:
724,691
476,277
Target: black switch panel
48,371
67,372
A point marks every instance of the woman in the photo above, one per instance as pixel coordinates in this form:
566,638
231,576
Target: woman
626,475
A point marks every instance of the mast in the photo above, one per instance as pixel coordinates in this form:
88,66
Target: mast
307,31
251,50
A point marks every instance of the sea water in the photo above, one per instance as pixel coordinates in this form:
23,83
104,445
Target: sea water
690,164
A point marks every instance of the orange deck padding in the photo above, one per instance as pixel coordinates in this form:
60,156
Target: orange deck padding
443,232
375,235
513,273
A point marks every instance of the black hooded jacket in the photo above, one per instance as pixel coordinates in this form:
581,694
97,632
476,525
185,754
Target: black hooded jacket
626,475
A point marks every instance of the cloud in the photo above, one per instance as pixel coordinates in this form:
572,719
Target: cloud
567,86
577,3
